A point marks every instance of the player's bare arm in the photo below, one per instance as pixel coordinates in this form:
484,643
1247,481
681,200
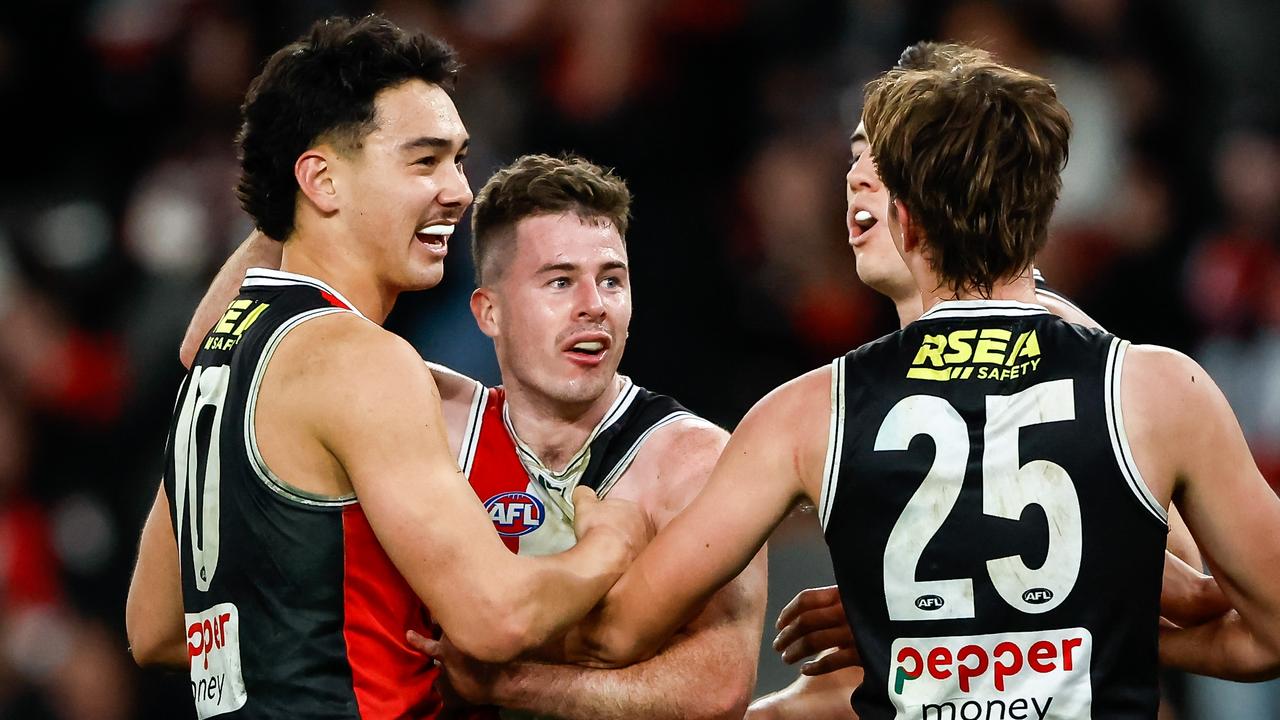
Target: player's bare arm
153,612
1190,449
773,459
257,250
378,431
706,671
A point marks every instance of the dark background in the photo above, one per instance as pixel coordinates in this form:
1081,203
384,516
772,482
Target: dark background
729,119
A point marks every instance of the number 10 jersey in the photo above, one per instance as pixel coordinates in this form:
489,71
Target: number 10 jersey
997,550
293,610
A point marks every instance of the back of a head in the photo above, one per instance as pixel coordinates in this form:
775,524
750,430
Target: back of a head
322,88
541,185
975,150
933,55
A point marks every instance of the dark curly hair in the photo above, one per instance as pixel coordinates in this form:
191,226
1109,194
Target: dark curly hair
322,87
542,185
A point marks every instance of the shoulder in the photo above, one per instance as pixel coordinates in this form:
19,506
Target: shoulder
457,391
353,359
1170,392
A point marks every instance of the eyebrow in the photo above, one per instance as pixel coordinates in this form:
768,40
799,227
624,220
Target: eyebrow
856,136
570,267
428,141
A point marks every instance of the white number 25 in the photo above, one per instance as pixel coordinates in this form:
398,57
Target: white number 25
1006,490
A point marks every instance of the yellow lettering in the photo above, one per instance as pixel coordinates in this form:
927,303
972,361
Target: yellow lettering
931,350
234,310
250,319
1031,347
961,351
991,346
916,373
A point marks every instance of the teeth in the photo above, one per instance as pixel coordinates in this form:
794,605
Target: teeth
593,346
441,230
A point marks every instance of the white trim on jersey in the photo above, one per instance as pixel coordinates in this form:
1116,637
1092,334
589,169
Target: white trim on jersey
1119,439
561,480
961,309
264,277
259,465
471,436
835,443
630,455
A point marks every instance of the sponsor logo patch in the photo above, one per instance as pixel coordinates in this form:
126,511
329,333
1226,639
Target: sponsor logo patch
985,354
213,643
1041,675
515,513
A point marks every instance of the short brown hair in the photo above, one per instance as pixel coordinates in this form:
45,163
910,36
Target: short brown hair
542,185
932,55
975,152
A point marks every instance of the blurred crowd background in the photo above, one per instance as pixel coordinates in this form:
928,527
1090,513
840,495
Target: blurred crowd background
729,118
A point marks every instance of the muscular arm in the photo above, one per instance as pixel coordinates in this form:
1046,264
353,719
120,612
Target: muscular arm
257,250
380,419
708,670
761,474
153,612
1183,429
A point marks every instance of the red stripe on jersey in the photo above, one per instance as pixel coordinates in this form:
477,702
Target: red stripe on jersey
333,300
390,679
496,467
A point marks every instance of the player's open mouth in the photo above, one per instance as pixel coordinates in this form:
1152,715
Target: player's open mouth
588,349
435,237
861,222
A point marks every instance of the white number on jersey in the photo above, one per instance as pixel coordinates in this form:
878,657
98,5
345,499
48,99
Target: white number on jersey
194,456
1007,489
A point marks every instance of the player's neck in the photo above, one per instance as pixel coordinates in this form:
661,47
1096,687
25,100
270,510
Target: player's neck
556,431
343,272
908,308
1020,289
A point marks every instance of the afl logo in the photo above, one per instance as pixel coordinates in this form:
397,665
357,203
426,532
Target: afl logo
930,602
1037,596
515,513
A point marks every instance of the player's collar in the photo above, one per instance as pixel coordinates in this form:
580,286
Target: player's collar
264,277
959,309
576,465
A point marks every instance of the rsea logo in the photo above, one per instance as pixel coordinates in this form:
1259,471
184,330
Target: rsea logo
515,513
982,354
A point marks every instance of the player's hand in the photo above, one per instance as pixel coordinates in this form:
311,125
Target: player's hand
465,679
813,622
623,519
1188,597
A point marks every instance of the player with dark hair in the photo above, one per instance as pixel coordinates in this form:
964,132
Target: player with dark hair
554,293
310,504
992,481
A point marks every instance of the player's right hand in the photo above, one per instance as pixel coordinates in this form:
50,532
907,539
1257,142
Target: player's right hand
624,520
814,622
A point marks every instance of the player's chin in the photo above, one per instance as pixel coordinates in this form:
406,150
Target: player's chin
424,276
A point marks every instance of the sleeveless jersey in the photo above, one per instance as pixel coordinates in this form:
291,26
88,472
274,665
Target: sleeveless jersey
997,551
530,505
292,607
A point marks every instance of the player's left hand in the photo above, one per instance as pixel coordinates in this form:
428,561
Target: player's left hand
813,622
468,679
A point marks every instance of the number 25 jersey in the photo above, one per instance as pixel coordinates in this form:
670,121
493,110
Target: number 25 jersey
997,552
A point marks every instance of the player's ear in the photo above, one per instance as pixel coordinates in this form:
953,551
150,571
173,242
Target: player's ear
899,215
314,172
485,310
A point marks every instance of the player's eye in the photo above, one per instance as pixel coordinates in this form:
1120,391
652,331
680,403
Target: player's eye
559,283
429,161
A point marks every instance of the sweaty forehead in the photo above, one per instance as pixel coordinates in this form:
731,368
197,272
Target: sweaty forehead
567,239
416,109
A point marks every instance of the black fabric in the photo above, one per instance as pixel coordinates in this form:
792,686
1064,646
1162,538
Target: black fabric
1115,596
279,561
612,445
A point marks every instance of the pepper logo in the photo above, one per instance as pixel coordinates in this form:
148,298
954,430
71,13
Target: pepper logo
993,352
515,513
